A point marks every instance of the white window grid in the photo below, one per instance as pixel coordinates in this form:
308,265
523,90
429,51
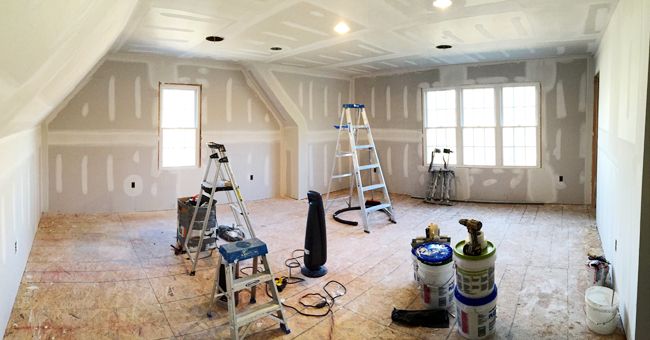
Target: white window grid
196,130
498,133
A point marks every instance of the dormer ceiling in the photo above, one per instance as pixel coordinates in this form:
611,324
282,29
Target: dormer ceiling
384,34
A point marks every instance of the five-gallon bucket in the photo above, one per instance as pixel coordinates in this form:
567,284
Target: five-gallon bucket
476,318
601,310
434,272
475,274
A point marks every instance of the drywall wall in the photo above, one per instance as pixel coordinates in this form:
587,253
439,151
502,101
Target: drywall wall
49,47
394,104
622,61
20,211
105,137
318,99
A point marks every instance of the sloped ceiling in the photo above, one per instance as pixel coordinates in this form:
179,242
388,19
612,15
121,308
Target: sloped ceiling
384,35
47,49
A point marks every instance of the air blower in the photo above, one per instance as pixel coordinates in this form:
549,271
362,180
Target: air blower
315,238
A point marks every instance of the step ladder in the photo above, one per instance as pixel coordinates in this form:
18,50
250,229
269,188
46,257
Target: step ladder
232,254
222,179
354,126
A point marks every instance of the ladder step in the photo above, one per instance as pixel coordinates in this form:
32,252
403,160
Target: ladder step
367,146
251,280
343,154
207,186
256,312
341,176
377,207
369,166
360,126
373,187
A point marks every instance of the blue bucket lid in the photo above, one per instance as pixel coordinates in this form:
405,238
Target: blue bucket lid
475,302
433,253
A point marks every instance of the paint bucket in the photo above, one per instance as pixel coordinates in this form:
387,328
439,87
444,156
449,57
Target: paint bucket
476,318
601,312
475,274
434,273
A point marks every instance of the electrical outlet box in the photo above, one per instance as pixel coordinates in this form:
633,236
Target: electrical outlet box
251,177
132,185
15,247
615,245
561,179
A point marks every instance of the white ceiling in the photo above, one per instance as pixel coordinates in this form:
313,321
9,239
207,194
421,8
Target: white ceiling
384,35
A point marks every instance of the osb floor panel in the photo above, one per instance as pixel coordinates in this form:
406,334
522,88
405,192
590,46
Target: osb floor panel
108,276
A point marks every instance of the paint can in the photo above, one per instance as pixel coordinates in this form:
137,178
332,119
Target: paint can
475,274
434,273
601,309
476,318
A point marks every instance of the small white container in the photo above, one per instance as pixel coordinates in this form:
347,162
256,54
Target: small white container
476,318
601,312
475,274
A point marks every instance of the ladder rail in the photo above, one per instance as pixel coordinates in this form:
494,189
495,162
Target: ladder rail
334,163
380,172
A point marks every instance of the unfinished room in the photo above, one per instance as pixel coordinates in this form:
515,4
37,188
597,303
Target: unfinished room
368,169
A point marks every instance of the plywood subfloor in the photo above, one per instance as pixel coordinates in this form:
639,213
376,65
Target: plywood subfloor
115,275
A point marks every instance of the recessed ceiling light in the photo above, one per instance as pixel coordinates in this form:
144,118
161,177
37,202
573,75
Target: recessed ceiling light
214,38
342,28
442,4
276,48
443,47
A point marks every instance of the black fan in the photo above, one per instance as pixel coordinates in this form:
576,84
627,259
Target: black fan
315,238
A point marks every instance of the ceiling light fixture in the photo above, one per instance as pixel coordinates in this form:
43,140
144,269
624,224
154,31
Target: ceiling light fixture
342,28
442,4
443,47
276,48
214,38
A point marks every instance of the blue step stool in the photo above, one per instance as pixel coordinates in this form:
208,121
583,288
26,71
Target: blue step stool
243,250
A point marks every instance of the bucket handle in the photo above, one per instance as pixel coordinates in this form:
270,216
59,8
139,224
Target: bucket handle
599,323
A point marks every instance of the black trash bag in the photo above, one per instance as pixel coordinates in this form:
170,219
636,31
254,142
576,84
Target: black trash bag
423,318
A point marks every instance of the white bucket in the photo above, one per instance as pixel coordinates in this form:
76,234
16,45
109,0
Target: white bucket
476,318
436,278
475,274
601,313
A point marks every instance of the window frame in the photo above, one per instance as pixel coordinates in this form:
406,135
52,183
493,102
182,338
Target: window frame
498,133
198,88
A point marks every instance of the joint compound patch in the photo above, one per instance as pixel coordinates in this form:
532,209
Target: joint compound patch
130,191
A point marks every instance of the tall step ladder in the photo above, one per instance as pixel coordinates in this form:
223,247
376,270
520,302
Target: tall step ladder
354,126
230,254
222,179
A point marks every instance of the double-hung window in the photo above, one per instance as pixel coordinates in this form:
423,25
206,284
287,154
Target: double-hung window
180,132
486,126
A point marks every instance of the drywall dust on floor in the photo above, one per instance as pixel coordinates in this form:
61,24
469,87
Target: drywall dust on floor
134,286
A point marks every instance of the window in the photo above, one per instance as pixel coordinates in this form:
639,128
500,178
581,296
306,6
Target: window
486,126
179,133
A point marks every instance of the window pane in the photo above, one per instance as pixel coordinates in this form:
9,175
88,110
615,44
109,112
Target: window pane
478,146
178,108
178,147
478,107
520,150
441,138
441,108
519,106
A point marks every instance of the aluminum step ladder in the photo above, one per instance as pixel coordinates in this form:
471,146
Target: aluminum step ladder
231,254
355,127
222,179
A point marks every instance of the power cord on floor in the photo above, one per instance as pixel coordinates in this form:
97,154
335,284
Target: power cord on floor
291,263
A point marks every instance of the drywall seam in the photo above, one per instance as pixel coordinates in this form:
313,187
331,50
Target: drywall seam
149,138
394,72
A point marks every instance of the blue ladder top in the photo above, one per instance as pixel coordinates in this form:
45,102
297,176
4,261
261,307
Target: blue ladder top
353,106
243,250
